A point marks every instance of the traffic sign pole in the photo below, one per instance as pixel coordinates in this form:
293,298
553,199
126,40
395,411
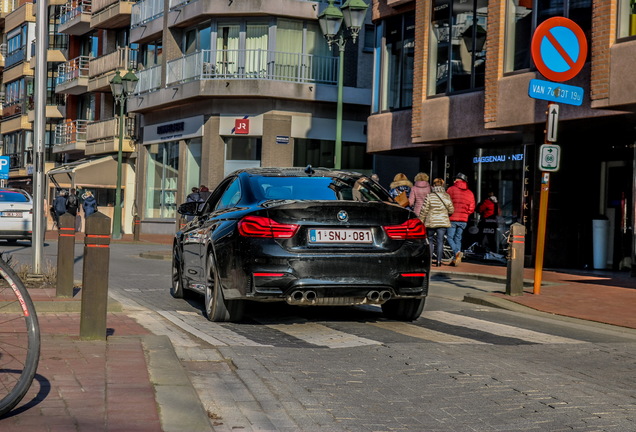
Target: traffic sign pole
543,217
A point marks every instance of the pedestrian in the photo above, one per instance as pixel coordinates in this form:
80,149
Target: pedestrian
400,189
204,193
420,189
59,206
488,212
434,213
72,206
194,195
89,205
464,203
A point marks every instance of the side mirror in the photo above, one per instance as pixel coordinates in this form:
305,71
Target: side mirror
189,209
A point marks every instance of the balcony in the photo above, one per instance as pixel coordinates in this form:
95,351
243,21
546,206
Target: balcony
3,54
70,136
184,13
102,69
15,57
14,107
72,76
103,136
111,14
18,12
75,18
55,107
56,52
144,21
253,64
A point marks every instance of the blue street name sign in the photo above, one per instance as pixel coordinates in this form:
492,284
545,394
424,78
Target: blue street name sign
4,167
555,92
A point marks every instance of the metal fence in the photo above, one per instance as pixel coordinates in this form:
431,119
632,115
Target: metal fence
144,11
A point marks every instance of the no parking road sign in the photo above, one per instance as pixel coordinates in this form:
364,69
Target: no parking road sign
559,49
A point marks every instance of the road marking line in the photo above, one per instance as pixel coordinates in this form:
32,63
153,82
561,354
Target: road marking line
424,333
318,334
498,329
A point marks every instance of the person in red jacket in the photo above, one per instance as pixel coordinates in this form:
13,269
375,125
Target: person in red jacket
488,212
464,203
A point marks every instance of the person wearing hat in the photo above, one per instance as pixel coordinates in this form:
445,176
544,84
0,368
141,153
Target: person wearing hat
59,206
464,204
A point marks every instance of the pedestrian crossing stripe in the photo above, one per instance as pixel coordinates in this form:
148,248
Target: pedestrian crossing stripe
424,333
321,335
501,330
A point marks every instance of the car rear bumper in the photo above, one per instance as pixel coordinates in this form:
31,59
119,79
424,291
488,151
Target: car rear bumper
330,279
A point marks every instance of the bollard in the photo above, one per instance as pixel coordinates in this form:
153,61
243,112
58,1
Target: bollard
95,277
136,229
516,251
65,256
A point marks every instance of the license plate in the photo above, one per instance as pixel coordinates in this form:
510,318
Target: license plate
340,236
12,214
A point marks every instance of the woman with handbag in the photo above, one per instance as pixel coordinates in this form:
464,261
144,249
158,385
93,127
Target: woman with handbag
400,189
435,212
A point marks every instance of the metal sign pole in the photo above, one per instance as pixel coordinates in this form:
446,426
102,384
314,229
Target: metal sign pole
39,128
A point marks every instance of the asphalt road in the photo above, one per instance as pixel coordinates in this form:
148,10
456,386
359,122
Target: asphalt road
459,367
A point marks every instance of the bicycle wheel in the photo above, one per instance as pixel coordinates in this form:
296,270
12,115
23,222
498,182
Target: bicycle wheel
19,339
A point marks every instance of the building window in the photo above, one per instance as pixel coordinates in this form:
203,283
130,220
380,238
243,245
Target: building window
458,45
151,54
161,180
320,153
523,17
397,63
626,18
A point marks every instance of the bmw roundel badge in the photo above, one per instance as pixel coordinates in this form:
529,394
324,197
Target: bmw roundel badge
342,216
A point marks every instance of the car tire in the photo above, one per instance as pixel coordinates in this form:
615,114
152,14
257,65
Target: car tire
176,289
404,309
217,309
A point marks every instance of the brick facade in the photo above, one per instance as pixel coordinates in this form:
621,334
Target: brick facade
603,36
495,45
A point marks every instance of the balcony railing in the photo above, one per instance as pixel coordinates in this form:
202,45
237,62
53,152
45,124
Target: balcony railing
70,132
149,80
253,64
52,99
109,129
72,69
75,8
57,41
122,58
99,5
12,107
144,11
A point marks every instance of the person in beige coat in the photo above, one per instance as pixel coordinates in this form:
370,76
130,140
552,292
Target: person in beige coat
435,212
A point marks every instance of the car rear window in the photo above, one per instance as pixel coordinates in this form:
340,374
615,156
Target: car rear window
10,196
317,188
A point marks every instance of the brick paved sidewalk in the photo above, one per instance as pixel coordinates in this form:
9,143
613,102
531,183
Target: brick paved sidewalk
88,385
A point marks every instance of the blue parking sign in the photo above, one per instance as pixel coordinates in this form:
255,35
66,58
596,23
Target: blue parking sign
4,167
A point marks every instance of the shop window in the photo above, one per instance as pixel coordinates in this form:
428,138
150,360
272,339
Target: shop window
626,18
523,17
458,45
320,153
242,152
193,164
161,180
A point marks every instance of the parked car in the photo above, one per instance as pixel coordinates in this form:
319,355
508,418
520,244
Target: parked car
305,236
16,215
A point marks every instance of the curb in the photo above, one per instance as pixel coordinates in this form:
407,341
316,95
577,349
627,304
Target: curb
180,408
59,306
487,278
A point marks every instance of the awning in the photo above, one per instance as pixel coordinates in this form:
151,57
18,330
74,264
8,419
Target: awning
97,173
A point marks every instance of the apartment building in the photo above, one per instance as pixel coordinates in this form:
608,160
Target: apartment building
17,61
451,94
229,85
86,140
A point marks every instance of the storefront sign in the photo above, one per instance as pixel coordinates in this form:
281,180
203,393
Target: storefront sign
242,126
498,158
190,127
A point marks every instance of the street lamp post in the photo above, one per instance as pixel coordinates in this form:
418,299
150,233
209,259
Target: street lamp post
122,88
353,13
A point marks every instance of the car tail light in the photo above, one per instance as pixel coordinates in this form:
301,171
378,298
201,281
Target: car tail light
268,274
259,226
413,274
411,229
